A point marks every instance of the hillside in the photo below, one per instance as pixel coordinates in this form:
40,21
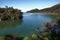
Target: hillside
53,9
9,13
33,11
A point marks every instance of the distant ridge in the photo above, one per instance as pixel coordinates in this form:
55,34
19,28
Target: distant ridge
53,9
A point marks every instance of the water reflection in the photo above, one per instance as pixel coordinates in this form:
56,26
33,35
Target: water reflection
10,23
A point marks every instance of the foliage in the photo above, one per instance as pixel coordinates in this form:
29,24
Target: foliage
34,37
26,38
9,13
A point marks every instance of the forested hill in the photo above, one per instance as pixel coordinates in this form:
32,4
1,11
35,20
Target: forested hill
53,9
9,13
33,11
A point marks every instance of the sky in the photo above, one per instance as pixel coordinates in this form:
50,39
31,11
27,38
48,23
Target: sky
26,5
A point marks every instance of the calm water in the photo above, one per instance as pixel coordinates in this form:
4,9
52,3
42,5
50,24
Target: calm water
24,27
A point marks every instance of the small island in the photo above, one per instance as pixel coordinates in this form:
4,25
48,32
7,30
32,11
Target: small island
9,13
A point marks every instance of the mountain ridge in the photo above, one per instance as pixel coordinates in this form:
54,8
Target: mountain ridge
53,9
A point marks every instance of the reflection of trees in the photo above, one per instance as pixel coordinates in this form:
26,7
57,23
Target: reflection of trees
10,23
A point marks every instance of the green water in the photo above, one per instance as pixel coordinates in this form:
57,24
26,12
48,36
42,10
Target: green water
24,27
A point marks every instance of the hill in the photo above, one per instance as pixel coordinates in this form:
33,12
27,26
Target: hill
9,13
53,9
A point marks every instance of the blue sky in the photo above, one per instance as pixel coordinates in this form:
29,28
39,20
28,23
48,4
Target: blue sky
26,5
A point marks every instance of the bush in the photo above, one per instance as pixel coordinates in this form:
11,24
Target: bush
34,37
26,38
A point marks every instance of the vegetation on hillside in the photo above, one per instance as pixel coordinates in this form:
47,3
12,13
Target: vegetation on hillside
53,9
9,13
33,11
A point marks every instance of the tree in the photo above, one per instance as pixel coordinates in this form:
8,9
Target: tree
34,37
